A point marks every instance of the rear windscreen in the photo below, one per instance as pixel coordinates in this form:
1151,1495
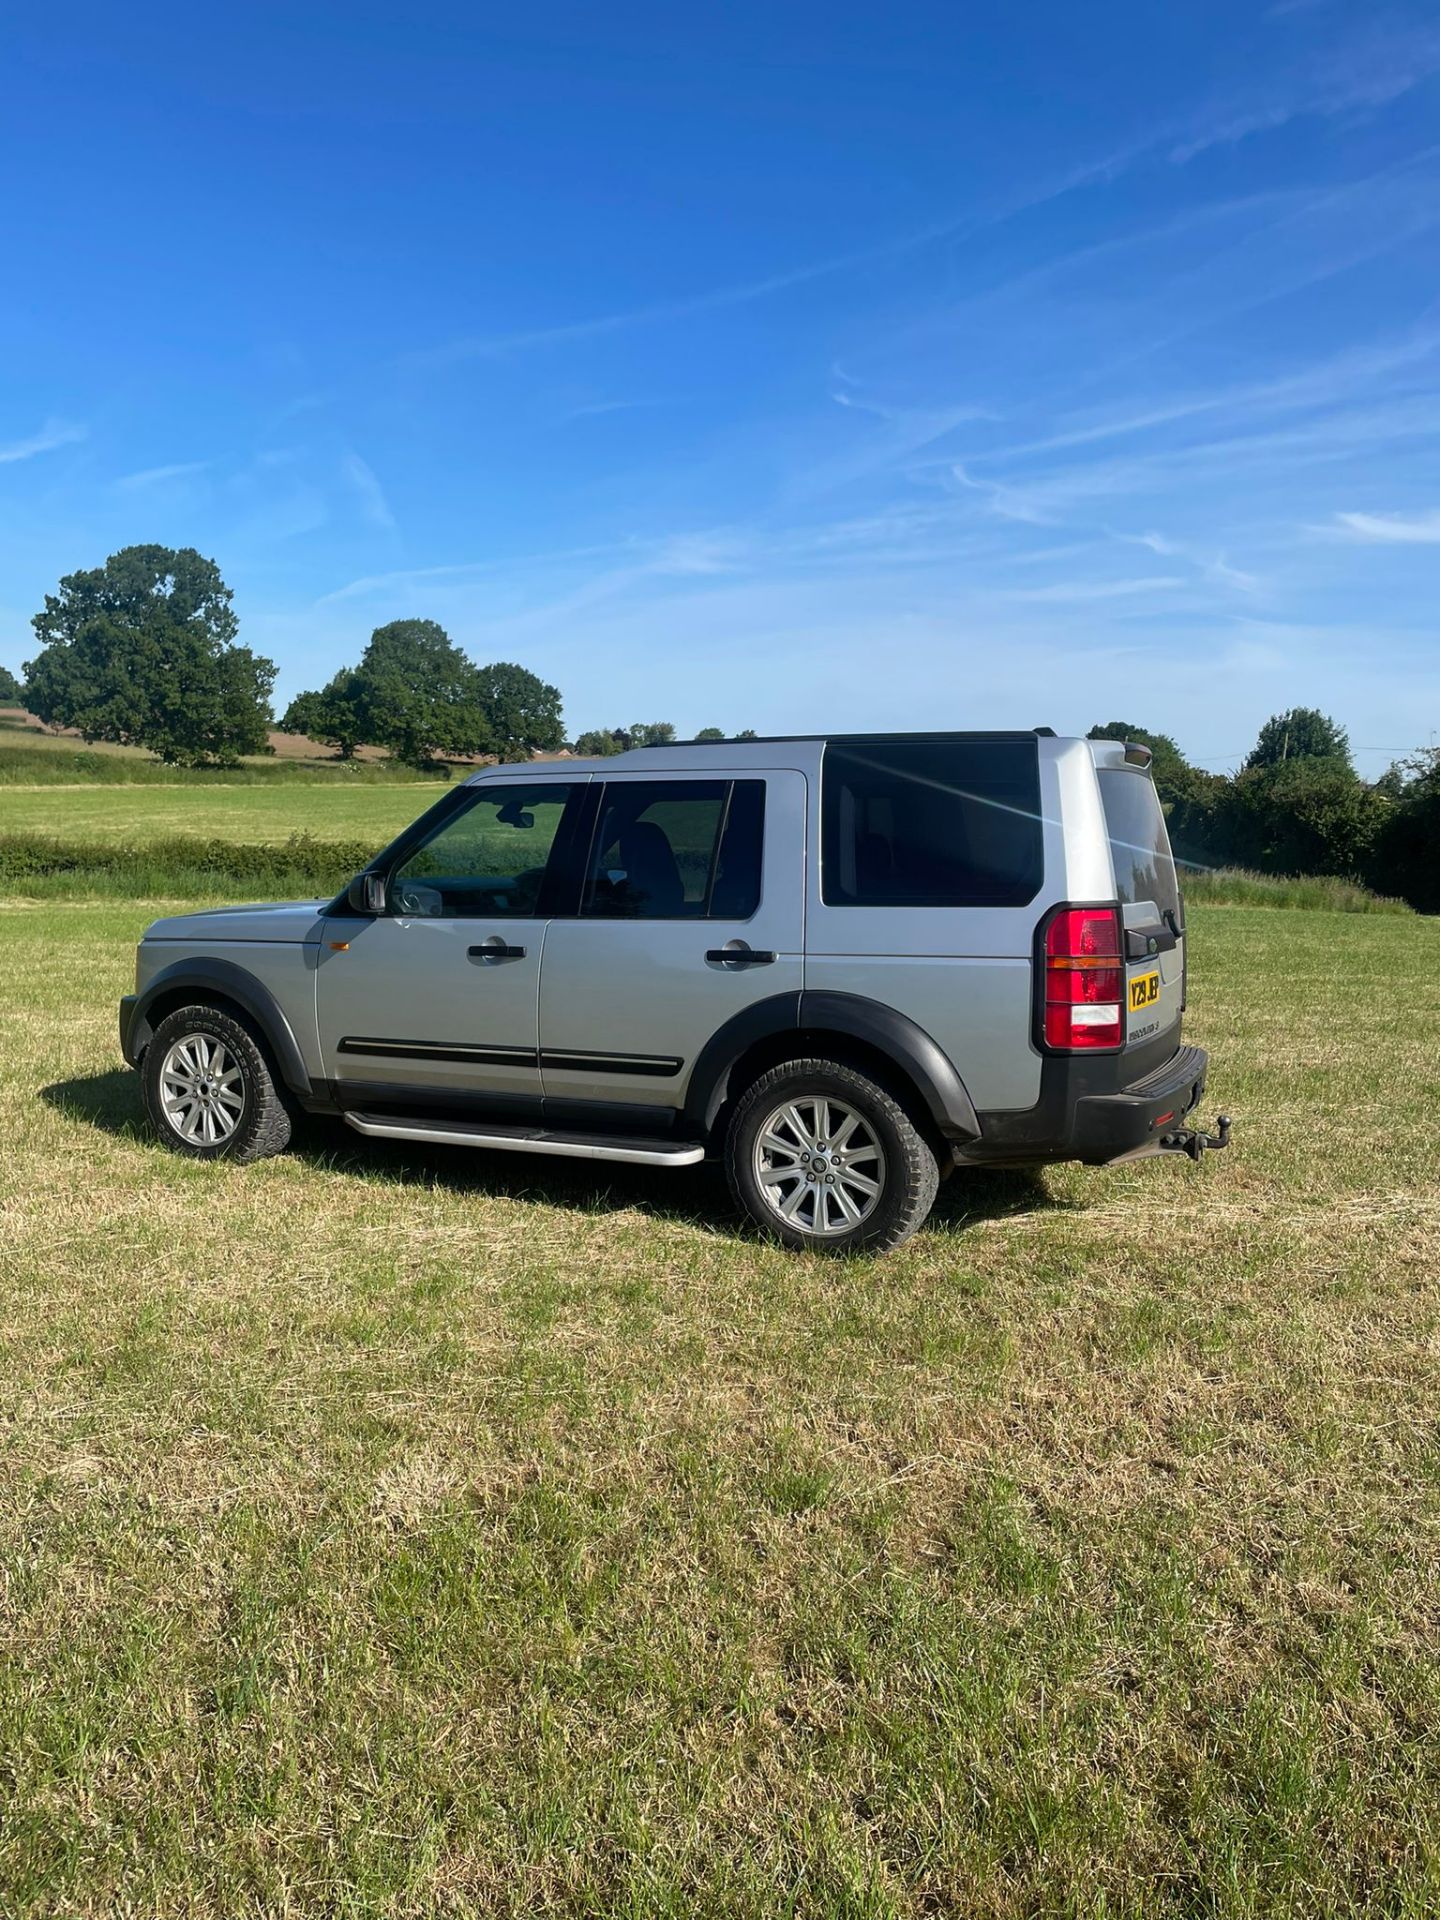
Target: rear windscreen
925,823
1139,844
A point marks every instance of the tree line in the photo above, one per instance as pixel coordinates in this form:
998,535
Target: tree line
1297,805
144,652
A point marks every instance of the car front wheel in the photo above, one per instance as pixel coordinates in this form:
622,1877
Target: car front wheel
823,1158
209,1090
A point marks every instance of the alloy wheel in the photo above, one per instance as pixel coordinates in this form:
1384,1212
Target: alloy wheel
819,1165
202,1090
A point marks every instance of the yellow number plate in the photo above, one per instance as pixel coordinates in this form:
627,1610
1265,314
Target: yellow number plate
1144,991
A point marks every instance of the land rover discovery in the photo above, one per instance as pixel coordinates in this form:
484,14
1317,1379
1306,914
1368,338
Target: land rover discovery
849,965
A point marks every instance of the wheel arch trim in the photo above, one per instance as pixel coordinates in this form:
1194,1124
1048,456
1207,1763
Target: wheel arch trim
211,977
850,1015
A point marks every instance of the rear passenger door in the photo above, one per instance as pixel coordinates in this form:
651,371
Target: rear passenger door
692,908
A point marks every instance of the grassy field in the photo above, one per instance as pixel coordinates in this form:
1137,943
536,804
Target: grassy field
135,815
30,756
387,1534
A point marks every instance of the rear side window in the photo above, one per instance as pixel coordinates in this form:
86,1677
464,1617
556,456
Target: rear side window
912,823
1139,843
677,850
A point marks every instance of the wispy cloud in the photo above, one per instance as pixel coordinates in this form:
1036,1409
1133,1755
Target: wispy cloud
1319,385
54,433
1391,529
482,346
158,476
1212,566
368,491
1081,591
1361,72
370,585
1368,70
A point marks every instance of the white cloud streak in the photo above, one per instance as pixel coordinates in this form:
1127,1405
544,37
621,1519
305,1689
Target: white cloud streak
54,433
369,492
1393,530
159,476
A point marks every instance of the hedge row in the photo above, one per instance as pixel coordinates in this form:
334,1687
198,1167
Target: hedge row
302,866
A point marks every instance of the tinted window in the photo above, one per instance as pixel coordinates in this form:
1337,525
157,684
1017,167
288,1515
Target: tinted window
488,861
676,850
1139,843
736,892
911,823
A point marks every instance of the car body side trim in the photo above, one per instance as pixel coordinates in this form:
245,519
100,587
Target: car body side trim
659,1066
656,1065
479,1056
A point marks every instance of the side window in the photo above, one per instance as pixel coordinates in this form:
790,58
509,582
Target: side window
489,861
676,850
919,823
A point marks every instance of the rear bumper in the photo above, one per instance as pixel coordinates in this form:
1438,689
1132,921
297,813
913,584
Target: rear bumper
1134,1122
1081,1117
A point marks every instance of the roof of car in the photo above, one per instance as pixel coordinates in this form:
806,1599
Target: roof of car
688,755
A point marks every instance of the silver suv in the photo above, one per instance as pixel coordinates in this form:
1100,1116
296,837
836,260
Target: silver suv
848,964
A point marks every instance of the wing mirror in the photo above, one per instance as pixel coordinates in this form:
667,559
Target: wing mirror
366,893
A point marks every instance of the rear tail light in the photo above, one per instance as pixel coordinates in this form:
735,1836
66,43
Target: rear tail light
1084,984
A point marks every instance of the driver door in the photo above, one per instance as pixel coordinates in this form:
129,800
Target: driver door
438,997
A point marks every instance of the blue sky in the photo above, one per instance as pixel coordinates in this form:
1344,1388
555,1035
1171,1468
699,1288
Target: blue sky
788,366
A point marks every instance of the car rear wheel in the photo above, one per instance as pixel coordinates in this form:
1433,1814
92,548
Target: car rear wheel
209,1090
821,1157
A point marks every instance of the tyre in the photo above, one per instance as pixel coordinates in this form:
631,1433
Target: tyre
209,1090
822,1158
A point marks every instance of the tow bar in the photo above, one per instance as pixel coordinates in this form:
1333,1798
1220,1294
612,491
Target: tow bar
1191,1140
1194,1141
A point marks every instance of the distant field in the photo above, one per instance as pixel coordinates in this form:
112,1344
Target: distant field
432,1533
243,813
18,728
29,755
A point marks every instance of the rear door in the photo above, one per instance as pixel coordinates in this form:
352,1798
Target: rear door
692,908
1153,912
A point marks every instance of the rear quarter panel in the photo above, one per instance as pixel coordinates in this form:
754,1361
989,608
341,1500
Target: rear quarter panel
966,974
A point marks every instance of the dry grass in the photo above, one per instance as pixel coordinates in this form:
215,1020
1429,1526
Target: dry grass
388,1534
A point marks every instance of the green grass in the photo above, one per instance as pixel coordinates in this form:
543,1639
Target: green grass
388,1533
31,757
136,816
1234,887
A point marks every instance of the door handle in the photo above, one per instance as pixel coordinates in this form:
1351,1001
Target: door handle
741,956
496,949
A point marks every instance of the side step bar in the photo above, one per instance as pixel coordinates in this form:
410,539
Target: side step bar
577,1146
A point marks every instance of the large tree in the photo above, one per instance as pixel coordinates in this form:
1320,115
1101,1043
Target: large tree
332,715
419,695
12,694
521,711
142,651
1304,733
600,743
1404,859
1307,814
